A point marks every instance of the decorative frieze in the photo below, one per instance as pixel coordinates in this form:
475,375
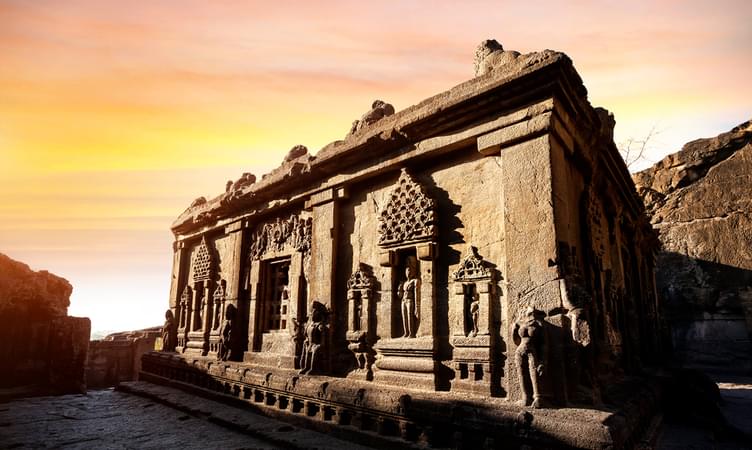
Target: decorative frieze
472,267
293,232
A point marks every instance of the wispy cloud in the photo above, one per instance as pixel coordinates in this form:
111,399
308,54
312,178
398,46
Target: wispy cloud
115,115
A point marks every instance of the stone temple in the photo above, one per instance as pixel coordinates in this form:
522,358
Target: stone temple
476,269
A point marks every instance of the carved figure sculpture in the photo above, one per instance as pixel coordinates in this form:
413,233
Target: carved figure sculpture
575,298
295,153
408,294
378,111
168,333
226,334
490,54
185,300
315,335
246,179
529,336
199,325
298,336
474,314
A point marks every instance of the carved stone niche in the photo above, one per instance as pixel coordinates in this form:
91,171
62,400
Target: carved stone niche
200,307
218,311
278,250
184,312
360,330
472,315
408,235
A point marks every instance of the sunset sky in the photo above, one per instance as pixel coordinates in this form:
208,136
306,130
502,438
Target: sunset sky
115,115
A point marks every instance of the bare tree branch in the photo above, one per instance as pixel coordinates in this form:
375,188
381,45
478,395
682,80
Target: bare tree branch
633,150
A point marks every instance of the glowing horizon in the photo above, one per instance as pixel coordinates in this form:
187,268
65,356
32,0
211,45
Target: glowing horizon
114,117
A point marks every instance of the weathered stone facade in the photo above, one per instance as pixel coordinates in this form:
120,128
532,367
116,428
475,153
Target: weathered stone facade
455,263
700,200
117,357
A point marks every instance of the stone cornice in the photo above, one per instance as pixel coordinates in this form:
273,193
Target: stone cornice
442,123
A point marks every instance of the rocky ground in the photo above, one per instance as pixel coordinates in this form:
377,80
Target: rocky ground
147,416
736,393
108,419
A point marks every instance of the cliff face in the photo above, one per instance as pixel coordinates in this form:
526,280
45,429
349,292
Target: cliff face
42,349
700,200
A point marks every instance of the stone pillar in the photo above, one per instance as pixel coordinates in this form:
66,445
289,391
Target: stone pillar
178,276
325,211
324,208
234,231
529,230
254,294
427,256
207,323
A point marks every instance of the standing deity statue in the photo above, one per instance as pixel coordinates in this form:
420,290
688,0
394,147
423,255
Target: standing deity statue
474,314
529,336
315,335
199,325
298,337
169,338
408,294
226,334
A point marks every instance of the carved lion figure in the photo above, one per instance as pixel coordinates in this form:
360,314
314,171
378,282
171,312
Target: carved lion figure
490,54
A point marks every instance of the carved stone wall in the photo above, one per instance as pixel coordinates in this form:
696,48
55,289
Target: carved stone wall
482,247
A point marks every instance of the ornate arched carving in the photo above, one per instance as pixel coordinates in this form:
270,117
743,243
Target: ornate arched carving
219,299
409,216
203,263
360,279
219,293
295,232
472,267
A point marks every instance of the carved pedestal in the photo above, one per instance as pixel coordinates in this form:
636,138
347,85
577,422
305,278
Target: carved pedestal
407,362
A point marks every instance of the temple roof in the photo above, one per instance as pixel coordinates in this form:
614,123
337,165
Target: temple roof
461,105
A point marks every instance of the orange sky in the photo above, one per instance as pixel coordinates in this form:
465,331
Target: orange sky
115,115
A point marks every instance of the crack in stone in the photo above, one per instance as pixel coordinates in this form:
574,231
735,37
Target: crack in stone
668,224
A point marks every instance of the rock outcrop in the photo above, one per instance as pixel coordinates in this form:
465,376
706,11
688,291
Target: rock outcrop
43,350
700,200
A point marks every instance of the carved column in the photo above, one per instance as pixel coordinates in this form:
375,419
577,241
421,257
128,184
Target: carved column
218,301
525,174
324,208
207,324
178,278
254,293
184,318
360,330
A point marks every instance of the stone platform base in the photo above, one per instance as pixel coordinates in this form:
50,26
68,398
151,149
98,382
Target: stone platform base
393,417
